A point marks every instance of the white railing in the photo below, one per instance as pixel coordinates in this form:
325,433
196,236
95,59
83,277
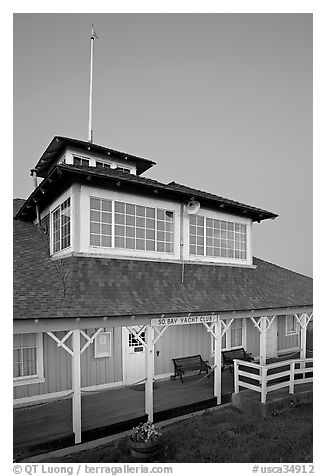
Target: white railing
263,378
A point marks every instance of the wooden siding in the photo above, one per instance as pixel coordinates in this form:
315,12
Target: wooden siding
253,339
57,370
57,366
180,341
283,341
98,371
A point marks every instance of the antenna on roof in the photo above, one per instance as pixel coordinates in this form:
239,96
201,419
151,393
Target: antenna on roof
90,129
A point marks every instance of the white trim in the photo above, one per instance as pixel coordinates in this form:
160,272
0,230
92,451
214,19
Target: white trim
57,203
296,327
25,401
218,215
117,195
286,351
108,353
163,259
28,381
103,386
39,376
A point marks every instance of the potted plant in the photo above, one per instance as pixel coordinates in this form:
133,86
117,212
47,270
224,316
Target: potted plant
144,441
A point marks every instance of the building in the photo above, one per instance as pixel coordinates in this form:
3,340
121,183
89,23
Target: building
116,274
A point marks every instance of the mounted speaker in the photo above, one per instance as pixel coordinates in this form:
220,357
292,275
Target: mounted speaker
192,207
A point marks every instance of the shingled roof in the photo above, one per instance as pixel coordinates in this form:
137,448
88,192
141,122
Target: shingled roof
63,175
92,287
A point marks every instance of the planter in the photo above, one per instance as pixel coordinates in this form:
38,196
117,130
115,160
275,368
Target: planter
143,450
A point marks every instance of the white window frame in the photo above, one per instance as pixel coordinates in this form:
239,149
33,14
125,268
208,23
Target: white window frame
55,205
156,207
97,353
75,156
291,332
217,215
39,376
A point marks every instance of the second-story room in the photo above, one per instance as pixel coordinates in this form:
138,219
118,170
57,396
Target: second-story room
94,201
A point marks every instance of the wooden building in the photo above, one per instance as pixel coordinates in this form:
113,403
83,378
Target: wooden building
116,274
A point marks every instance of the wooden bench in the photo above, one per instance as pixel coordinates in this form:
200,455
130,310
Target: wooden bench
189,364
230,355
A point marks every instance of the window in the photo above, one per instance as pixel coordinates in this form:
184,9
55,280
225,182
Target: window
236,333
81,162
123,169
103,344
61,226
128,226
291,326
100,222
134,343
103,165
27,357
217,238
233,337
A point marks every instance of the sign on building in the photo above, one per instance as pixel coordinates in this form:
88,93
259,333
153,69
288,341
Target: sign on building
179,321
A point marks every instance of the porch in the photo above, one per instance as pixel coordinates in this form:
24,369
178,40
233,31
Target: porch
47,425
44,426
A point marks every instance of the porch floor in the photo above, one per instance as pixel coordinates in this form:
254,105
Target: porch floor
103,412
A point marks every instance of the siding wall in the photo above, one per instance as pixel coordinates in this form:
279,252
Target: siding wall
180,341
253,339
283,341
57,366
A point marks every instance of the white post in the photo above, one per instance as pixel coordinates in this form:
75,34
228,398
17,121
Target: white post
76,399
263,384
291,385
303,337
217,361
263,341
303,341
236,376
149,362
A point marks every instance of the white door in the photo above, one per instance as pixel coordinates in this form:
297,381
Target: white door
133,357
271,339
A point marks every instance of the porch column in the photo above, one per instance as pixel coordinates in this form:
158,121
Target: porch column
76,399
217,361
263,340
303,336
149,363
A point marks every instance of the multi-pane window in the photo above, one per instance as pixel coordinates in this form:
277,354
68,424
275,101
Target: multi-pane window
236,333
100,222
123,169
25,355
130,226
233,337
61,226
217,238
103,345
134,344
103,165
291,325
80,161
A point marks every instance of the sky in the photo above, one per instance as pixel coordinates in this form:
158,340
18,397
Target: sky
222,103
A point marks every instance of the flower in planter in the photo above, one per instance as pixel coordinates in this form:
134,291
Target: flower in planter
145,432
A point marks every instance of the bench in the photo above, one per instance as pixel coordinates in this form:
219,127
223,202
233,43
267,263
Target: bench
189,364
230,355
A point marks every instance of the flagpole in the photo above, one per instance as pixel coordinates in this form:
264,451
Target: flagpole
90,127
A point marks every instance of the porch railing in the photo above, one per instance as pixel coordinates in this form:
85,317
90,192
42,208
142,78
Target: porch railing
266,378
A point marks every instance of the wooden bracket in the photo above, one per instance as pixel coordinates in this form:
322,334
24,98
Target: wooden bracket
159,333
89,339
61,343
